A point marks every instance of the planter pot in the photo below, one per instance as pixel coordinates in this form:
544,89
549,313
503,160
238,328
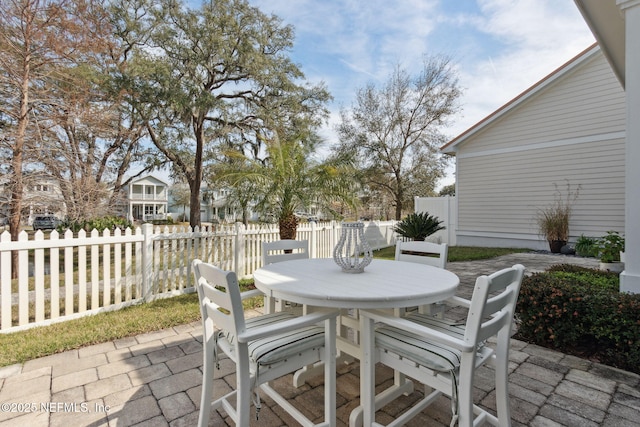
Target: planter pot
614,267
555,246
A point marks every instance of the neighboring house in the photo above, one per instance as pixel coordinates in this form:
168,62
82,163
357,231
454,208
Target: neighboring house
214,207
41,195
568,130
147,199
44,197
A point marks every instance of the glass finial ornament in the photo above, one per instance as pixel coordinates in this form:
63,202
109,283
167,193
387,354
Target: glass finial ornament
352,253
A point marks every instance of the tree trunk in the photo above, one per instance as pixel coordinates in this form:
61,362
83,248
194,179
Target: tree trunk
15,210
194,213
288,227
196,183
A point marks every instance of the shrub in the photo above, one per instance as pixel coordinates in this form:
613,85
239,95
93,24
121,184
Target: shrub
580,311
100,224
418,226
610,246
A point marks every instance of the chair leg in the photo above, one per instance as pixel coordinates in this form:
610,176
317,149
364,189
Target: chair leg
501,365
367,371
330,371
243,384
465,390
207,383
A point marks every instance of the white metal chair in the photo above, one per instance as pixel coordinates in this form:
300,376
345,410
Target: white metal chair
278,251
434,254
444,355
263,348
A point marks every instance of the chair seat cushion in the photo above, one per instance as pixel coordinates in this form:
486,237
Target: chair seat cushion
276,348
435,356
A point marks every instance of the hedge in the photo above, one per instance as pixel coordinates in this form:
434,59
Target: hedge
580,311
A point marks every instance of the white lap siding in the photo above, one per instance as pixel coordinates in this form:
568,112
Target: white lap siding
567,131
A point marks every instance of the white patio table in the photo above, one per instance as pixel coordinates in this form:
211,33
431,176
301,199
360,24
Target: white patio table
383,284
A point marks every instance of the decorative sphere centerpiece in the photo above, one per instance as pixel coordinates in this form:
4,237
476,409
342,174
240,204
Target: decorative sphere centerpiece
352,252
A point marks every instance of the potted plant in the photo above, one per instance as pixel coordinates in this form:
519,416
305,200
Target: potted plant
610,248
418,226
553,221
554,226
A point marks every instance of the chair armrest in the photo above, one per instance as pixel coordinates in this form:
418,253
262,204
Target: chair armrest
462,302
311,319
413,327
252,293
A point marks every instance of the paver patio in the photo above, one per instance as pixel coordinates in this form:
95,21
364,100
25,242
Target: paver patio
154,380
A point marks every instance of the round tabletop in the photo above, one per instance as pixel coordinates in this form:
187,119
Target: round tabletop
383,284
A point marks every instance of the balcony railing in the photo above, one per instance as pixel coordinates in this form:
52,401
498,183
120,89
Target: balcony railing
141,196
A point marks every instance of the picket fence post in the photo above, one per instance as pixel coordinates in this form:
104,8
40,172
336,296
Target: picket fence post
312,240
239,250
5,283
147,261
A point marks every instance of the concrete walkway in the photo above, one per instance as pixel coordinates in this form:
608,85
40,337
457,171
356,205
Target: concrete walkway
154,380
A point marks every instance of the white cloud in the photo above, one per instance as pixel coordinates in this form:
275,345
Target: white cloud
538,37
501,47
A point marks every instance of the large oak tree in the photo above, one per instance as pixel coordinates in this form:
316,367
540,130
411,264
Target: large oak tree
394,131
216,76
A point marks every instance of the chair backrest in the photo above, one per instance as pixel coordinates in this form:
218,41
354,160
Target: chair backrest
220,300
284,250
422,252
493,304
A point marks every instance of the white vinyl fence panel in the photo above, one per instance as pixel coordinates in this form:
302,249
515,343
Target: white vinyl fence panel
61,277
445,208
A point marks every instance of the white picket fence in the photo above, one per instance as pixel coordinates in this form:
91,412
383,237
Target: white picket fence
68,276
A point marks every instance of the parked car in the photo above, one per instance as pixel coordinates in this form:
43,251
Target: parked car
45,222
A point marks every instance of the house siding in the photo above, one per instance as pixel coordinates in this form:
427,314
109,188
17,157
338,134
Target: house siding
569,135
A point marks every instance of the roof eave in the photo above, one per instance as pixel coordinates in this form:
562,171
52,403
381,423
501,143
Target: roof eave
451,146
606,21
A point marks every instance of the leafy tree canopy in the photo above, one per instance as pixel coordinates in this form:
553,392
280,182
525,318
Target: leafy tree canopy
393,131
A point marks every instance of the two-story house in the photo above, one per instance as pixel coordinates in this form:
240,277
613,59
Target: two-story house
147,199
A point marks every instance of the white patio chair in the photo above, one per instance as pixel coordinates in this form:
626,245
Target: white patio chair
263,348
428,253
278,251
444,355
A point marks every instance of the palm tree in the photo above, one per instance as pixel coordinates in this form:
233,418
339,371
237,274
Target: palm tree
288,179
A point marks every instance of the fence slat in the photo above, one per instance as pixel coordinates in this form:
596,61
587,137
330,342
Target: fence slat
82,275
54,277
95,272
117,268
106,268
23,282
68,276
5,284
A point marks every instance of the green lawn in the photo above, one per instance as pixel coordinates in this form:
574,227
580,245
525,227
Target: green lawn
19,347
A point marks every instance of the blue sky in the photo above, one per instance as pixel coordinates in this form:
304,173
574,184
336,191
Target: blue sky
499,47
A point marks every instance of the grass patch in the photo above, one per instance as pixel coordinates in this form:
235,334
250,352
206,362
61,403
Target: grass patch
458,253
37,342
18,347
